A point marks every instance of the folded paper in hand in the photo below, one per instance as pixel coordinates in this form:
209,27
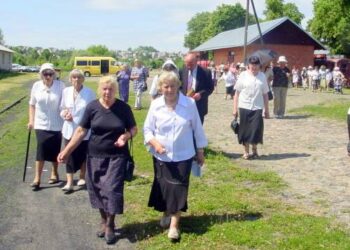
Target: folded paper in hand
196,169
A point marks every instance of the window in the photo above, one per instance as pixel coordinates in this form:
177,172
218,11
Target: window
81,63
95,63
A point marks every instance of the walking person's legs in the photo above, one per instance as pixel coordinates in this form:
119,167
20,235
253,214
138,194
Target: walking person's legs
283,100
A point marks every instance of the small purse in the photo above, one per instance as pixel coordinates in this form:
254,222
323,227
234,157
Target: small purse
130,164
235,125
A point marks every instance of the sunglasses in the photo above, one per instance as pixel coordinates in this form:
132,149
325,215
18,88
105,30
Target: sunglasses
48,74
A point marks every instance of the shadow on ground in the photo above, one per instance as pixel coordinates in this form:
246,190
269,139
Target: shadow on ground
190,224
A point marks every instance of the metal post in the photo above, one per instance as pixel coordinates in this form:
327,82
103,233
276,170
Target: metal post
257,23
246,33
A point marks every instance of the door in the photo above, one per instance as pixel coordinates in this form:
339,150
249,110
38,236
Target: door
104,67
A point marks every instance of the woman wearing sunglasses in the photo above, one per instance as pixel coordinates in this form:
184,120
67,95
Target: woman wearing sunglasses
44,118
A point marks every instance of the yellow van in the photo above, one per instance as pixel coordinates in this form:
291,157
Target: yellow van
97,65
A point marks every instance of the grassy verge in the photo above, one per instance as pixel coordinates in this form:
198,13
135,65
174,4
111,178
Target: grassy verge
229,207
335,110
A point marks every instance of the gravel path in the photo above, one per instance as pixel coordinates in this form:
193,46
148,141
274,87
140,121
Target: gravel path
309,153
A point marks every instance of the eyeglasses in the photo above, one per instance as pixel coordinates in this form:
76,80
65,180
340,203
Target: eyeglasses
48,74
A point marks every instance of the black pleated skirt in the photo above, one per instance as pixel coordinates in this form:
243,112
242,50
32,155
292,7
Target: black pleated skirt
76,158
170,186
48,145
251,126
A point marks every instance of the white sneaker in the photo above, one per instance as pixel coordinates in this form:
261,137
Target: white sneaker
67,188
165,221
174,233
81,182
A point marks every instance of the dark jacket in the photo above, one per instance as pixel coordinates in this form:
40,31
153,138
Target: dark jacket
204,86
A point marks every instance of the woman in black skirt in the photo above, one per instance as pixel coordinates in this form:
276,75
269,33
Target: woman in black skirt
112,124
74,101
250,100
170,126
44,118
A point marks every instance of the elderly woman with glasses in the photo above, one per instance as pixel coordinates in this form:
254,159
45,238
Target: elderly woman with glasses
44,118
249,102
74,101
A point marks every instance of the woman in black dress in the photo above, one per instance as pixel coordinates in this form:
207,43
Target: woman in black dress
112,124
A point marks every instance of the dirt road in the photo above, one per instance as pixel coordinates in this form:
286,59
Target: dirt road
308,153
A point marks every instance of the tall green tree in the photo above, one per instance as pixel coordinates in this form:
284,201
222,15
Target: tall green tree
195,27
277,8
206,25
331,24
225,17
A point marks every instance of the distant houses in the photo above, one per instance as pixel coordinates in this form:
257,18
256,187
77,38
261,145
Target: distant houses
281,35
5,58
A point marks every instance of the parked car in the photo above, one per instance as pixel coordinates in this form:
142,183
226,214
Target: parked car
31,69
17,67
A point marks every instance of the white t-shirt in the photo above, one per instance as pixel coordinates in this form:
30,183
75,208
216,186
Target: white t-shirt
47,105
251,89
229,78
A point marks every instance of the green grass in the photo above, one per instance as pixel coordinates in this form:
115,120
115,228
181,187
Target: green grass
335,110
230,207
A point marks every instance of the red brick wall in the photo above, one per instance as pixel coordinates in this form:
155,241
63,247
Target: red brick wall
296,54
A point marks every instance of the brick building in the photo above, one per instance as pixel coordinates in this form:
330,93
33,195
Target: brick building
281,35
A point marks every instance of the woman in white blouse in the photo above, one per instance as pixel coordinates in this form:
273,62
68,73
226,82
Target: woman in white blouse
250,100
44,118
74,101
170,126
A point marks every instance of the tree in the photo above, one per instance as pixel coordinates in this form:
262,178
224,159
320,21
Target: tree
331,24
274,9
277,8
291,10
195,28
206,25
98,50
2,41
225,17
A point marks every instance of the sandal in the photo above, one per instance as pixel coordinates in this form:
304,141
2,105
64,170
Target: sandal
54,180
35,185
245,156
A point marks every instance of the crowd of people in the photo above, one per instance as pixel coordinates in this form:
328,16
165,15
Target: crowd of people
96,131
96,134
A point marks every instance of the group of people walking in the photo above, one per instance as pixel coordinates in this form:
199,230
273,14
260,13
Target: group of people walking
96,134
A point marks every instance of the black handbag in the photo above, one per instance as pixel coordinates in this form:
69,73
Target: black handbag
269,94
130,164
235,125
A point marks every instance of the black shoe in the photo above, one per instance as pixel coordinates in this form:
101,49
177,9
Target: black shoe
110,238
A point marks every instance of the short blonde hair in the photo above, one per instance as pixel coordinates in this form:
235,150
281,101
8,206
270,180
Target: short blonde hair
106,80
76,72
168,76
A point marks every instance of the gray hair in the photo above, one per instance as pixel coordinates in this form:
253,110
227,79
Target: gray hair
76,72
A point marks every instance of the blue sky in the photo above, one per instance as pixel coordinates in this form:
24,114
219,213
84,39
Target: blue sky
117,24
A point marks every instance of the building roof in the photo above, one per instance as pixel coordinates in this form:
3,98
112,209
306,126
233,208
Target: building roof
3,48
235,38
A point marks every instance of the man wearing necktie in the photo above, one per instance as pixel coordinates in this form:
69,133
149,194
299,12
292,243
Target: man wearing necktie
196,83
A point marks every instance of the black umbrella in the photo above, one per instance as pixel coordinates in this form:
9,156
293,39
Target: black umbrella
265,55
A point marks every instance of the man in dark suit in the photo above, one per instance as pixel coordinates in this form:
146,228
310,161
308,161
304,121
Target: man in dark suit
196,83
